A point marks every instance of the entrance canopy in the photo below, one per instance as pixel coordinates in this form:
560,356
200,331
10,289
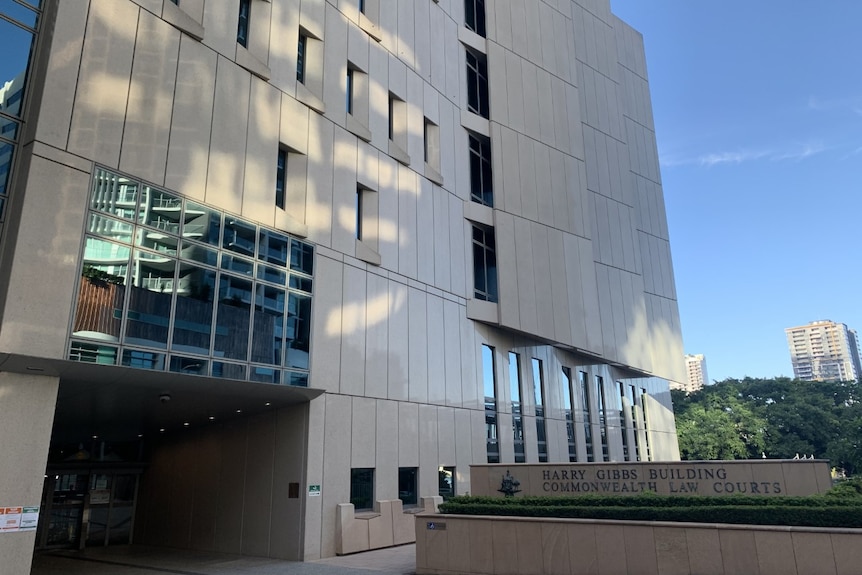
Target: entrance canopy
119,404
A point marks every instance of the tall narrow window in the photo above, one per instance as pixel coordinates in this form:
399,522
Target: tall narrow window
481,184
362,6
446,482
484,264
280,177
407,486
634,411
362,488
477,83
603,418
539,398
242,26
359,210
647,447
474,16
624,429
349,91
588,418
489,377
300,57
569,409
517,419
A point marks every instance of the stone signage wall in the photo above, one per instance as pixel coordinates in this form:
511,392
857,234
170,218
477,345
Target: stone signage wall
746,477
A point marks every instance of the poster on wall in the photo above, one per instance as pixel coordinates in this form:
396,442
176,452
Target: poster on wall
14,519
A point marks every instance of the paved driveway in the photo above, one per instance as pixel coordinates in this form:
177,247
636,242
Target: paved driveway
143,560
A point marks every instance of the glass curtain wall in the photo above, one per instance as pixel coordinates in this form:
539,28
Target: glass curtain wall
19,27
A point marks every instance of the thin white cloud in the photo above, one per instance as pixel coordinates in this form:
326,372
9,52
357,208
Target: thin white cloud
792,154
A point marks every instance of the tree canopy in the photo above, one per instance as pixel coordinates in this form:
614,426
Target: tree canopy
780,417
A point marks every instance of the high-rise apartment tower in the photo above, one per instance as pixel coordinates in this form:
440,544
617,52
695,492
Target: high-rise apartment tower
824,351
267,262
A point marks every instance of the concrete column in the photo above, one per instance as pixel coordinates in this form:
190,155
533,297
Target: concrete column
26,417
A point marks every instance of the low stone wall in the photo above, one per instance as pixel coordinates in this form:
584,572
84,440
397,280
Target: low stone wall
386,526
462,544
740,477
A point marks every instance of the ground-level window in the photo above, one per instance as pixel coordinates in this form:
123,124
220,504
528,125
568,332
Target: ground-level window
407,486
362,488
446,482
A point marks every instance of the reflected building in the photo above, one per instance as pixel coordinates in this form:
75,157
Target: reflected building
268,263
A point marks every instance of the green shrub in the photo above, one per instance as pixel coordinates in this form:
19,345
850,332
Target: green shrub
814,511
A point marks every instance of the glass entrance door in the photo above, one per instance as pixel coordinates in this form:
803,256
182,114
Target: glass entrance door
63,509
97,505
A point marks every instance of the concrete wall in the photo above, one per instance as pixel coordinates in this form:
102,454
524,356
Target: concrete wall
26,414
449,544
227,489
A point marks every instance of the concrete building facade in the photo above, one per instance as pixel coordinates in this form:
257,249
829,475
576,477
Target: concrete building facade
824,350
261,258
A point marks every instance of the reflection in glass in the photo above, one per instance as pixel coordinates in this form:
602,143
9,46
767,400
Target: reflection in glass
110,228
101,290
201,224
237,264
8,128
301,257
150,299
228,370
198,253
296,378
268,325
271,274
93,353
300,283
265,374
188,365
232,323
114,194
193,316
143,359
298,329
160,210
274,247
239,236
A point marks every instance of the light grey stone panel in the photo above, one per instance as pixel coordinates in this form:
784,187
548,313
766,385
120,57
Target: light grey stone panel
458,244
408,434
335,64
344,192
363,437
436,350
472,396
422,45
542,267
406,33
452,349
437,22
353,331
258,198
511,190
515,92
446,437
398,349
526,276
103,83
497,84
377,336
336,475
528,34
320,181
408,191
528,191
529,81
387,439
428,450
228,140
455,74
61,76
418,346
425,232
559,288
507,270
440,241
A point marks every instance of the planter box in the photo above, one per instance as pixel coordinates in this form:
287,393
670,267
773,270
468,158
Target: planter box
461,544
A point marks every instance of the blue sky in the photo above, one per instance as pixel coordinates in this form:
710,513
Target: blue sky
758,114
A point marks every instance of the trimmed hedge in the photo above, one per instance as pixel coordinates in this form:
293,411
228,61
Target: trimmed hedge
836,510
